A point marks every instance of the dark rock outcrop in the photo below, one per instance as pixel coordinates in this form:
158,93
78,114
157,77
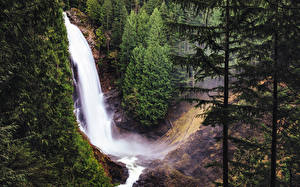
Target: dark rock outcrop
164,175
115,170
125,123
186,165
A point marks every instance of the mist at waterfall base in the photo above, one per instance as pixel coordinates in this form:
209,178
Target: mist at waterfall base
92,116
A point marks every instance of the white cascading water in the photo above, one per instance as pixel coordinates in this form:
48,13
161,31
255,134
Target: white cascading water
92,115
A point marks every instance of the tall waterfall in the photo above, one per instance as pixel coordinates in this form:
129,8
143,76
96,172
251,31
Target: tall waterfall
92,116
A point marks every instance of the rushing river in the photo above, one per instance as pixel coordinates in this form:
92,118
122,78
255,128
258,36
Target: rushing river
92,115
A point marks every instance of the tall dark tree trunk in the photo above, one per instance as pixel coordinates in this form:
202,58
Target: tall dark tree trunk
226,81
274,125
275,107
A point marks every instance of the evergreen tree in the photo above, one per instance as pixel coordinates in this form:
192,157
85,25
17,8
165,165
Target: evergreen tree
14,157
150,5
94,11
107,10
147,85
213,42
129,41
263,50
156,87
132,80
129,4
42,146
80,4
119,19
143,27
135,32
275,100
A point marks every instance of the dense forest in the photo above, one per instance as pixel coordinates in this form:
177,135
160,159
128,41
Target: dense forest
40,141
160,52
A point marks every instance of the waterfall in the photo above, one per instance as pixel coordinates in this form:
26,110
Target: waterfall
91,113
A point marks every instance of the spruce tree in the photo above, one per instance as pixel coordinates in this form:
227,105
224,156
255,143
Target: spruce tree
133,79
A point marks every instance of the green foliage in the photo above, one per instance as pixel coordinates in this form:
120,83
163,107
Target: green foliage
107,10
68,4
119,19
129,41
133,79
156,34
11,155
87,167
40,145
150,5
129,4
258,41
135,32
100,38
147,85
264,52
94,11
143,27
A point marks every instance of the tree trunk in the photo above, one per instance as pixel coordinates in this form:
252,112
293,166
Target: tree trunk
275,108
226,81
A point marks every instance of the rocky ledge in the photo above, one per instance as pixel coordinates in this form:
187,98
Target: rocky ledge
187,165
117,171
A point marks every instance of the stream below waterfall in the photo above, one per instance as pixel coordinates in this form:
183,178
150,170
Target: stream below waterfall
92,115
